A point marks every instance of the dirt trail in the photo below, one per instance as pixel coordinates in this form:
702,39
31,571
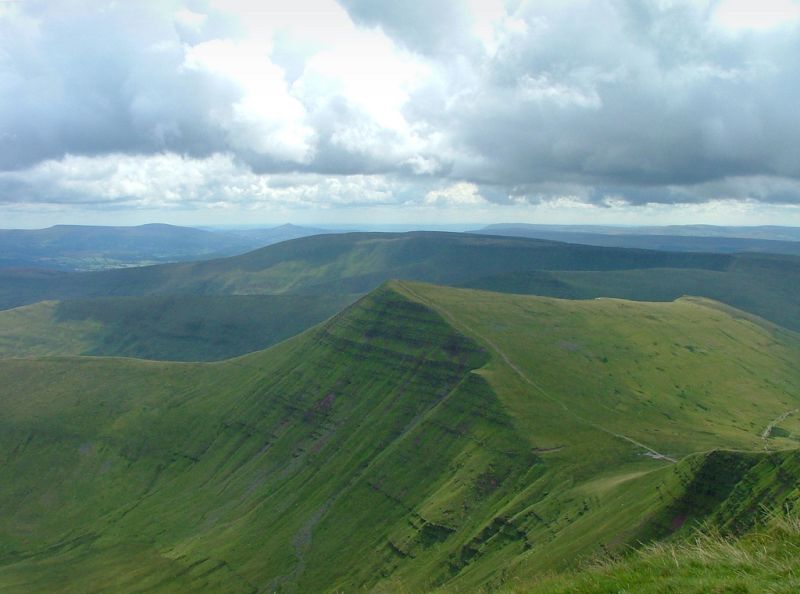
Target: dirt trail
522,375
774,423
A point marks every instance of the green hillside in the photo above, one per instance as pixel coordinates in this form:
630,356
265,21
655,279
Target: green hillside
764,285
344,263
182,312
171,327
424,438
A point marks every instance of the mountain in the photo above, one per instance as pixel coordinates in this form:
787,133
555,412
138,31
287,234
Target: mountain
343,263
81,247
267,236
759,284
656,238
425,437
70,247
355,263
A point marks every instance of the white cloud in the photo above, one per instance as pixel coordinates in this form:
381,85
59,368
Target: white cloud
422,165
266,119
170,181
489,19
190,19
459,194
370,73
756,15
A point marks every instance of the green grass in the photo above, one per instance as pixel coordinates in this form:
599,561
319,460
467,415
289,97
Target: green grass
32,330
424,438
765,560
756,287
175,327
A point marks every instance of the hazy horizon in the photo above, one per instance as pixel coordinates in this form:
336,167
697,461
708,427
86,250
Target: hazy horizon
389,226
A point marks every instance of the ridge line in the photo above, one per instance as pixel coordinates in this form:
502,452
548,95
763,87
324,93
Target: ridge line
507,360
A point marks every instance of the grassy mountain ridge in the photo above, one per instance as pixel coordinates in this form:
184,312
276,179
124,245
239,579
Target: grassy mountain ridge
300,427
760,284
204,325
424,437
343,263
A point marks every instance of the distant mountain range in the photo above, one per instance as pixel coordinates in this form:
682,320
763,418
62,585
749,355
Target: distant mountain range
688,238
79,247
87,248
769,232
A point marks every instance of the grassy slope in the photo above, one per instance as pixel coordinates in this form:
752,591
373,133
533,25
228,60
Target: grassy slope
366,453
760,284
765,560
32,330
688,390
656,369
175,327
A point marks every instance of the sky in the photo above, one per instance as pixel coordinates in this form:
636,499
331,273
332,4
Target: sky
405,112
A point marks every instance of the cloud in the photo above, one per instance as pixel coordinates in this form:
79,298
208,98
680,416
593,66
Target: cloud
265,119
82,78
429,27
741,15
607,102
652,95
92,77
170,181
460,194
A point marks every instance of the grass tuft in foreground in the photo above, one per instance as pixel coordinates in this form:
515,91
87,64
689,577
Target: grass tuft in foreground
765,560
